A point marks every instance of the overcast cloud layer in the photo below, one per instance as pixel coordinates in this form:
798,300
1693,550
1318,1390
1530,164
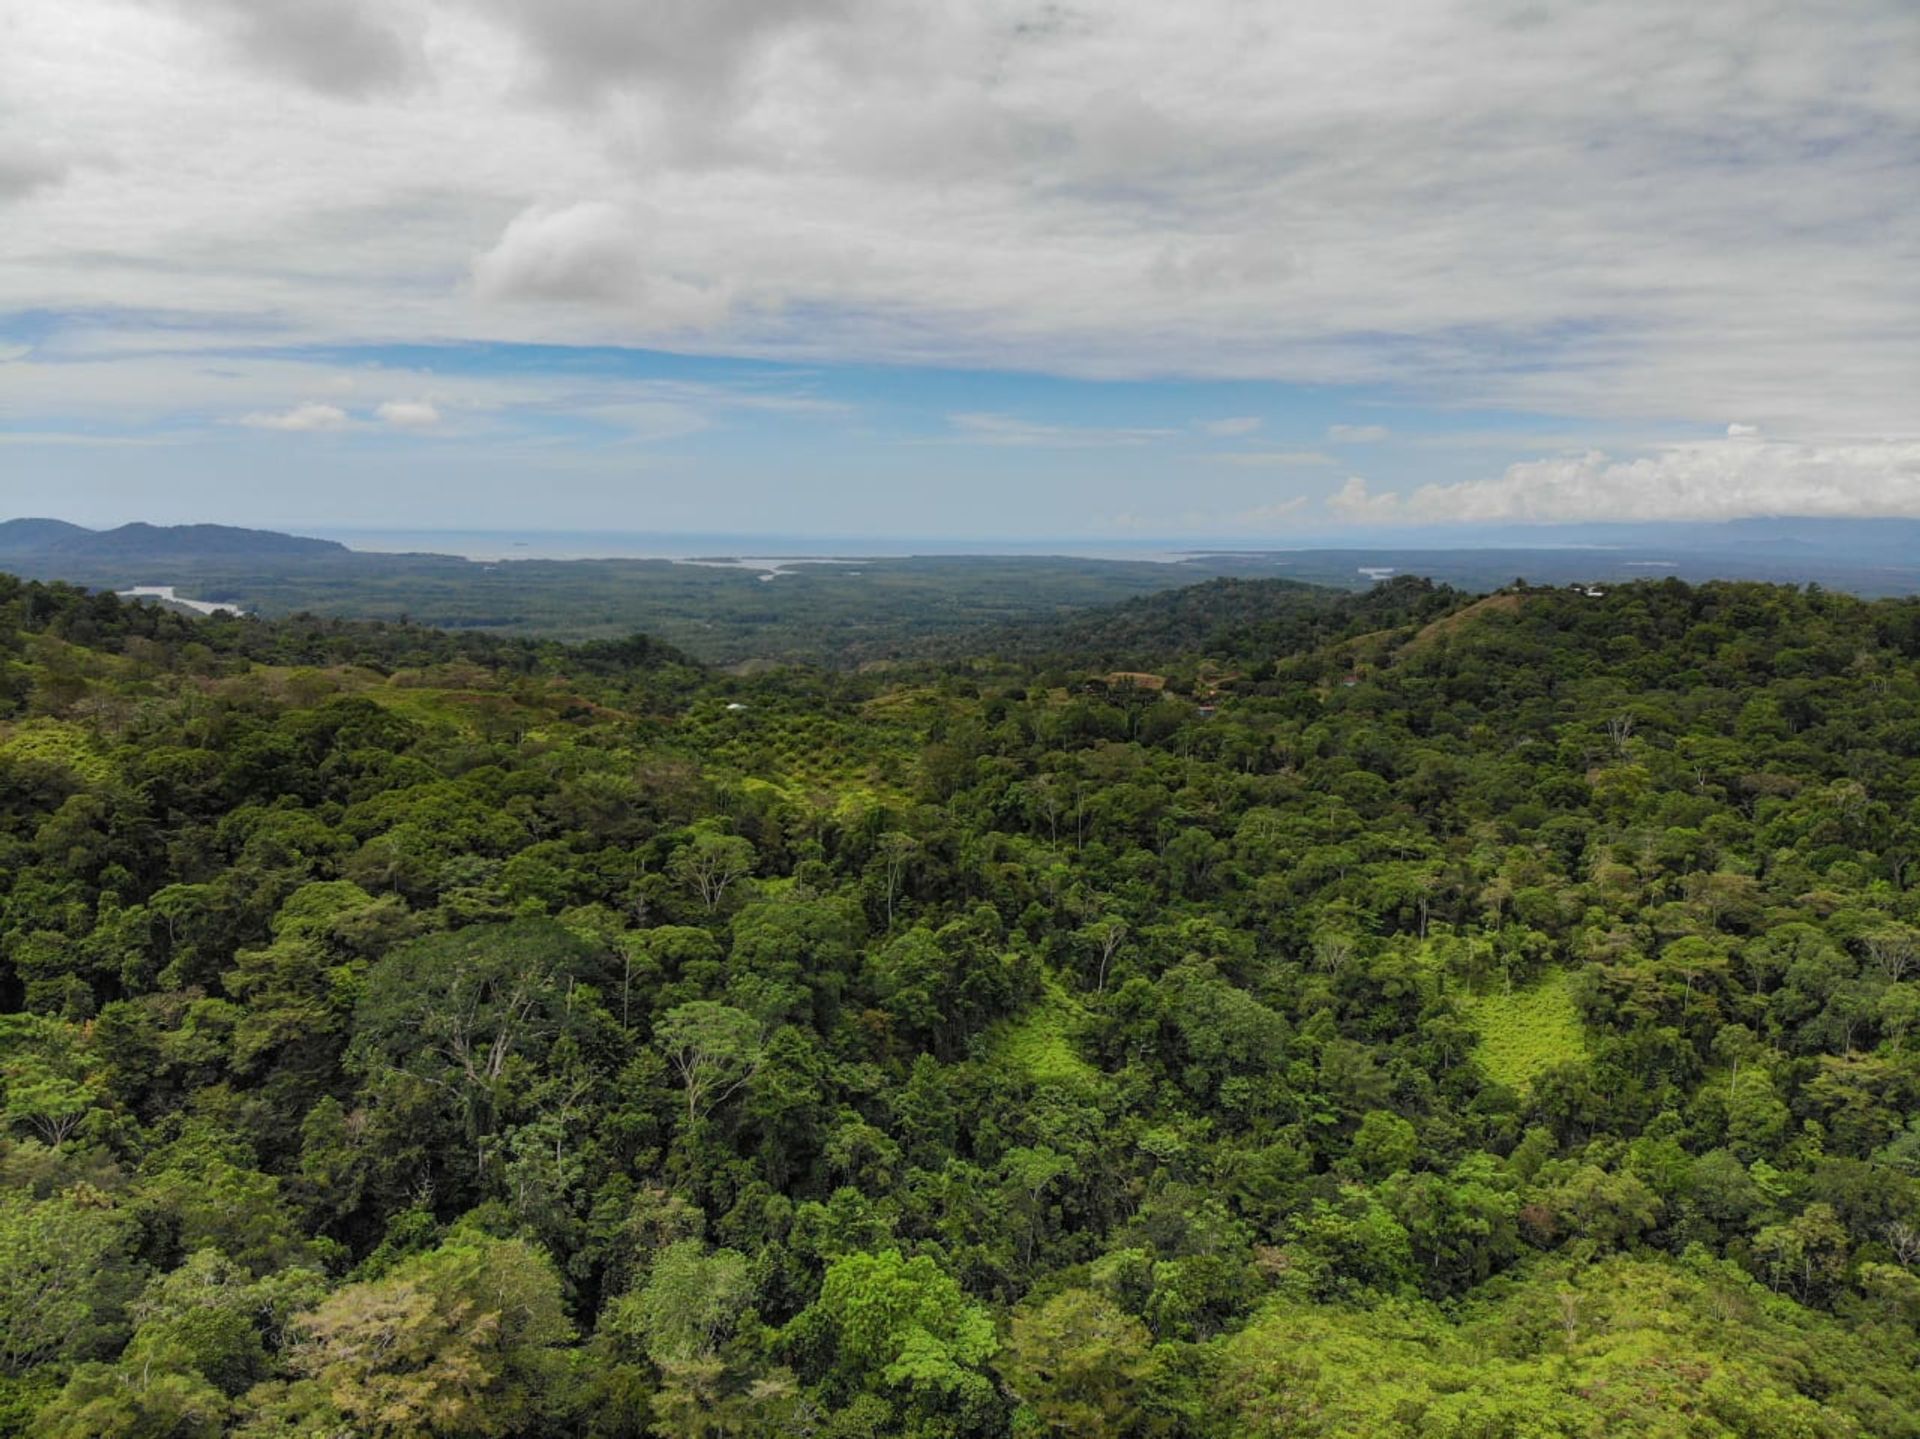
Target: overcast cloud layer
1687,235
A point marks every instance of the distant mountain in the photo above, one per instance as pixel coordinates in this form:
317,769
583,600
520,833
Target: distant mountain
27,537
56,541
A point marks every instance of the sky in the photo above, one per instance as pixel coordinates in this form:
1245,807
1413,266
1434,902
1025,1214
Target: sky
996,269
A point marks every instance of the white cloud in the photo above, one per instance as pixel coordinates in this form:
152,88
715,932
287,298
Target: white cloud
348,48
1637,215
305,417
1207,268
593,254
25,167
183,389
1711,480
1356,434
589,49
1232,426
1737,431
583,252
1354,501
409,414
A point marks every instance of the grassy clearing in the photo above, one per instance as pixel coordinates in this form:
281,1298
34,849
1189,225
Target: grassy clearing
1461,619
1529,1030
55,744
1038,1044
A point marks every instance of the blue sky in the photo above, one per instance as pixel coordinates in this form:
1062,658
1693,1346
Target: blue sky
1009,269
636,439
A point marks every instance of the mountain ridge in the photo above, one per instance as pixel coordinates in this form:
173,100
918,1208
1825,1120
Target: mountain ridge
140,542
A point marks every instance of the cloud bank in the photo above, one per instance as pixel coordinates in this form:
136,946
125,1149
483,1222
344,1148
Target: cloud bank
409,414
1715,480
1637,214
300,419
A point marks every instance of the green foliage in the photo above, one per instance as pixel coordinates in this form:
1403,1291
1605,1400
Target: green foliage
65,1274
714,1048
1040,1044
903,1324
48,1087
55,747
457,1342
1079,1365
1253,1011
690,1302
1627,1347
1524,1032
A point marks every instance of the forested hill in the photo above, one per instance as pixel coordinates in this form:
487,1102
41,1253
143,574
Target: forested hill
56,541
1238,620
1468,1018
97,619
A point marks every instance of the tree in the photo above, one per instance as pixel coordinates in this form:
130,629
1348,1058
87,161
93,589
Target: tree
714,1048
50,1086
709,863
1804,1255
65,1274
459,1342
1080,1363
682,1319
897,1323
690,1301
1106,936
283,1008
895,852
1383,1144
668,954
472,1011
202,1339
120,1401
1894,950
1463,1226
1332,949
1610,1209
1349,1249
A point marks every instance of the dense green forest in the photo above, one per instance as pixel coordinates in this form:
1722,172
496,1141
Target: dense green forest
864,609
1410,1014
840,613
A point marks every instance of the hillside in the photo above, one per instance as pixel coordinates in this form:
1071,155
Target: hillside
1468,1017
1237,620
50,544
